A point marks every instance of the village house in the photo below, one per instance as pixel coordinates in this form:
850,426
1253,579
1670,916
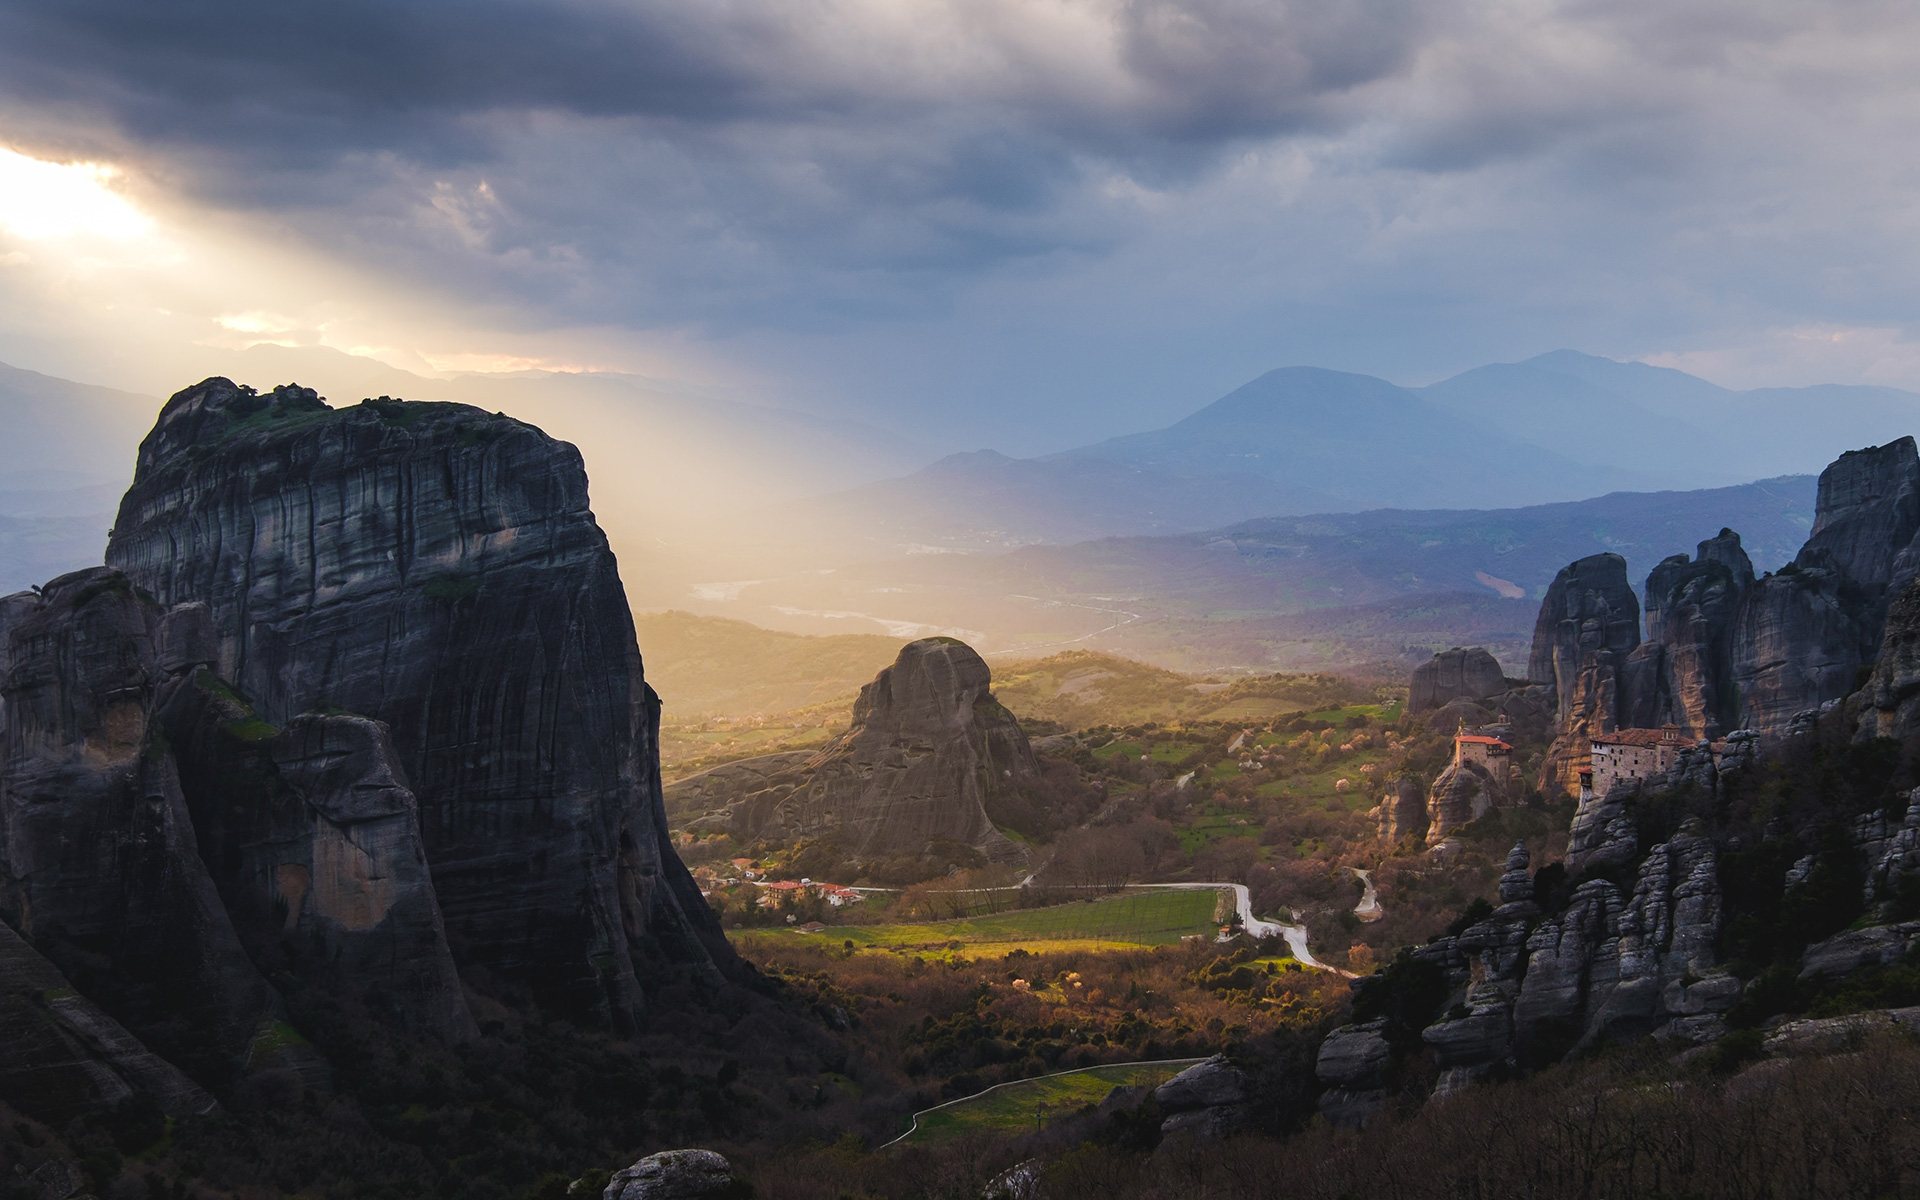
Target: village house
1634,754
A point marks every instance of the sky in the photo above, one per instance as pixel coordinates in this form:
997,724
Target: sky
1017,223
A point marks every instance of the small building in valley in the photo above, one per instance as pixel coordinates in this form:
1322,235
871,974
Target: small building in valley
1634,754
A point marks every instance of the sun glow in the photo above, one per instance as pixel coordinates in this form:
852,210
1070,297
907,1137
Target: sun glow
40,200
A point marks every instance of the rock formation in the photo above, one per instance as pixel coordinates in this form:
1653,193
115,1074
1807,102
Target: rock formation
1889,705
1609,967
1588,608
1452,674
1353,1064
1805,631
678,1175
437,569
1207,1100
1683,673
312,831
1588,626
99,863
928,746
1403,813
1465,791
62,1057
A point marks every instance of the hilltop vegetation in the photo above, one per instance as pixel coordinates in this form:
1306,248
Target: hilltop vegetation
712,667
1080,689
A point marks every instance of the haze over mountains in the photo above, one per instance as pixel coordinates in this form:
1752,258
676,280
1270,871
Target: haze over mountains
1183,545
1562,426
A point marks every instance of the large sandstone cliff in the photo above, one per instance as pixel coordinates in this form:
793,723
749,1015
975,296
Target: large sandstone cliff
1588,627
1683,673
98,858
928,746
1803,633
1725,651
437,569
360,688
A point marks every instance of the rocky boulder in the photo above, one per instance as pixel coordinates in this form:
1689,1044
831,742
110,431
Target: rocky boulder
1849,951
928,747
1468,1047
1207,1100
1352,1064
1453,674
678,1175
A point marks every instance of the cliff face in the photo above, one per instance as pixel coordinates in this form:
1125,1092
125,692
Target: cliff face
1727,652
1683,673
1889,706
435,568
98,859
928,746
1590,607
314,840
1588,628
1804,633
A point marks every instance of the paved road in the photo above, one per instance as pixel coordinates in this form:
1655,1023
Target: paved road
1295,935
1369,907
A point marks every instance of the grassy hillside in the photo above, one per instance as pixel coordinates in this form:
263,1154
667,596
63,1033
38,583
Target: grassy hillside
710,667
1082,688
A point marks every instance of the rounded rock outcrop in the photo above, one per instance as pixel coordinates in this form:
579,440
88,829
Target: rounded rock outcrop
678,1175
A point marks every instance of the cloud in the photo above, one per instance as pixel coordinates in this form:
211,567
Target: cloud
1024,205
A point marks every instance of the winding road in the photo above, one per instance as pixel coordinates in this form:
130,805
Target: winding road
1369,907
1295,935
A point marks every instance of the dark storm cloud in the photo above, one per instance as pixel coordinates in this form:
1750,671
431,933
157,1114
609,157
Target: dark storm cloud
1100,169
293,79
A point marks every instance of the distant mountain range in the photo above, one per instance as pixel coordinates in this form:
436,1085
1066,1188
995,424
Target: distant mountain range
1467,486
1300,440
1280,593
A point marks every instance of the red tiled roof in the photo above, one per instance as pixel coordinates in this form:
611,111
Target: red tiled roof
785,885
1479,740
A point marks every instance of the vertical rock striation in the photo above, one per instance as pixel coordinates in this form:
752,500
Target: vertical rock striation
1589,625
1683,673
1805,631
437,568
98,859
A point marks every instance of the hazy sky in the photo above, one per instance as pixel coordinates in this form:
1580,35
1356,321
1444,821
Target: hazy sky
1009,222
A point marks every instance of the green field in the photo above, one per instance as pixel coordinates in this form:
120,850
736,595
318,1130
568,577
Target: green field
1033,1102
1140,919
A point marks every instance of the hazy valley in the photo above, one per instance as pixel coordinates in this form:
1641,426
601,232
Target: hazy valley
368,832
